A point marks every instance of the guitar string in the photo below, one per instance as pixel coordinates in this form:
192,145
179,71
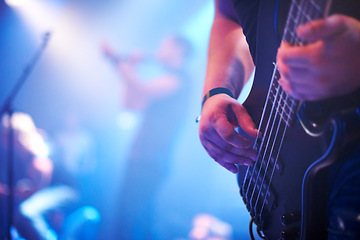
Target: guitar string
285,118
276,156
281,106
271,150
284,107
291,111
271,153
297,41
274,166
265,137
279,111
268,101
249,174
260,127
269,137
289,114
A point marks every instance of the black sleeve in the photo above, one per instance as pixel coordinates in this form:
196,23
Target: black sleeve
226,8
246,12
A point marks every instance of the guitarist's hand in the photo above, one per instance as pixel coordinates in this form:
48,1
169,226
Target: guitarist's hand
220,115
328,66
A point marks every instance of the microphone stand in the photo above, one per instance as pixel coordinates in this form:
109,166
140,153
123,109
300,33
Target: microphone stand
8,109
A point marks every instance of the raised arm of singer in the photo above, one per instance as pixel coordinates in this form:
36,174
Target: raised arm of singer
229,66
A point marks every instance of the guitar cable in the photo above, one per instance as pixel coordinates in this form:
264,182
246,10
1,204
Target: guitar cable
251,229
260,234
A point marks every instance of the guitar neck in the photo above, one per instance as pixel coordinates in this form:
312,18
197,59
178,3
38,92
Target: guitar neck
277,117
300,12
303,11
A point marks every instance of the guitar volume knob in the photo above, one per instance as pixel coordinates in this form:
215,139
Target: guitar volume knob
290,218
290,234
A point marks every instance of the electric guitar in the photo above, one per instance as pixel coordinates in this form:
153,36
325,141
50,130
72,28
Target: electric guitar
286,189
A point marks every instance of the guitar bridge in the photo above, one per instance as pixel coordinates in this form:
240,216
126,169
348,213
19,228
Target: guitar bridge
259,197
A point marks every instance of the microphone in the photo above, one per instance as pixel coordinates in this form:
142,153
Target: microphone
46,38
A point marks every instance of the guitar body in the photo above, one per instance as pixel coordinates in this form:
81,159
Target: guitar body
294,193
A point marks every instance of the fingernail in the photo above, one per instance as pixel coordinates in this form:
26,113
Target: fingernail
303,30
247,163
280,81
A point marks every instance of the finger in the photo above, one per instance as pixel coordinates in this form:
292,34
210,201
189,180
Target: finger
298,90
293,86
227,159
288,55
230,167
229,153
285,85
245,122
227,132
298,56
305,59
288,88
212,137
295,75
322,28
303,92
226,148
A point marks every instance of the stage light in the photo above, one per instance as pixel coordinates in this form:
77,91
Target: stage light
15,3
128,120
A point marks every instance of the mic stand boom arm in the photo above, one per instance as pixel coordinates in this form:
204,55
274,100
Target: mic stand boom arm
7,109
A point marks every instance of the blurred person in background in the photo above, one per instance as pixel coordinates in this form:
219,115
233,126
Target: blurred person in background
74,149
208,227
75,164
43,207
162,100
33,197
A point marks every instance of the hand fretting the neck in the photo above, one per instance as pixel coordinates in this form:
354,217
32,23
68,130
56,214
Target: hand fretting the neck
303,11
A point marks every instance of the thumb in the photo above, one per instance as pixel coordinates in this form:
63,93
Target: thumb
245,121
322,28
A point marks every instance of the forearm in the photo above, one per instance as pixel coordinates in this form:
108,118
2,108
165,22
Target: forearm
130,77
125,65
154,88
40,174
229,62
229,65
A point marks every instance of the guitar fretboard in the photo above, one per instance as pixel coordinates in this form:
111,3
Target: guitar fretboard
303,11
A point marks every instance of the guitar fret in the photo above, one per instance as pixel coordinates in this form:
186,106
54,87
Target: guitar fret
281,109
285,108
319,8
314,9
284,105
299,15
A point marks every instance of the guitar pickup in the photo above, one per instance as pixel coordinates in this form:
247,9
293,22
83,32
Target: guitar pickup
258,196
